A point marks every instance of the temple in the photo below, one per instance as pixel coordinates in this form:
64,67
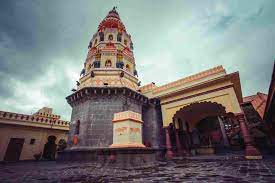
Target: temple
196,115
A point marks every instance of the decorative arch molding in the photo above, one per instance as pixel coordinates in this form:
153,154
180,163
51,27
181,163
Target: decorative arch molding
197,111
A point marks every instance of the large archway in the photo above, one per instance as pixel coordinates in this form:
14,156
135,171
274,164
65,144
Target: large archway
199,128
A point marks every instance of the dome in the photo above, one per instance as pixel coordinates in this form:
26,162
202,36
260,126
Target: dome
112,20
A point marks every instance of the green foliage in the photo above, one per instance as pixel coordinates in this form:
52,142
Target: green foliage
62,144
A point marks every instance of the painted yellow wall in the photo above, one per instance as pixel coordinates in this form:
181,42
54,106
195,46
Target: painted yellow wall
226,97
190,92
39,134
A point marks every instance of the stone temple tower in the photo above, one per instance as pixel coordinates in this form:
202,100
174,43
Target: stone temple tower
109,84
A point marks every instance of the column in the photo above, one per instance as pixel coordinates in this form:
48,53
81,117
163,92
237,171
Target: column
225,139
169,153
180,151
176,131
250,151
187,144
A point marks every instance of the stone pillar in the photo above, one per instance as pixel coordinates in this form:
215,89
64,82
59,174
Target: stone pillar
250,151
169,153
180,151
225,139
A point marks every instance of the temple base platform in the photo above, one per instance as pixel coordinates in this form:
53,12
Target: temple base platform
203,151
124,158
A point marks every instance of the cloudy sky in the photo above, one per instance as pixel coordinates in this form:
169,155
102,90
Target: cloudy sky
43,44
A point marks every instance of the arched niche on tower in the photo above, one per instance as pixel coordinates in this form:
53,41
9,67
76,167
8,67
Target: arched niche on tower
108,63
128,68
101,36
119,37
125,41
110,37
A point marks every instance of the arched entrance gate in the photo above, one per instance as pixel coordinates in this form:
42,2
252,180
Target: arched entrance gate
201,128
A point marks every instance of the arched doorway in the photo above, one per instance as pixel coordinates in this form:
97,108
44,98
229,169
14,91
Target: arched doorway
50,148
199,128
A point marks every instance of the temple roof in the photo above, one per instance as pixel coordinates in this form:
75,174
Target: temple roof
112,20
258,102
113,13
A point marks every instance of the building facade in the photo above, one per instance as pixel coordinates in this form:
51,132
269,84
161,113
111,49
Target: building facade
23,137
194,115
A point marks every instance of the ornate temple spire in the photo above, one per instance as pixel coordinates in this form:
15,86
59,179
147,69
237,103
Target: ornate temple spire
113,13
110,61
112,20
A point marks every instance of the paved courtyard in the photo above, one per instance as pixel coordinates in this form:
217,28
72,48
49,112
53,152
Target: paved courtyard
174,171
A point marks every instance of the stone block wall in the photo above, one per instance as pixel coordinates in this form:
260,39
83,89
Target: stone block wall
95,115
152,127
95,108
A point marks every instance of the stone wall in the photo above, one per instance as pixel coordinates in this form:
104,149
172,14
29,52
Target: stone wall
152,127
95,108
96,115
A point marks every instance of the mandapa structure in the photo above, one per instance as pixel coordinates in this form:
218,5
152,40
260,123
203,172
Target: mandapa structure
107,87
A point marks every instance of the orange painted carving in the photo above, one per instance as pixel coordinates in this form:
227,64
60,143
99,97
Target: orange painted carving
75,140
122,129
134,130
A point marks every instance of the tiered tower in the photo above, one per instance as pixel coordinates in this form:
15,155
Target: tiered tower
110,61
108,85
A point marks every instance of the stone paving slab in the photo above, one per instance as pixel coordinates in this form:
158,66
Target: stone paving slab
174,171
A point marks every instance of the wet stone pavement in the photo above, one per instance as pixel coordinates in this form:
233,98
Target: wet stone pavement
173,171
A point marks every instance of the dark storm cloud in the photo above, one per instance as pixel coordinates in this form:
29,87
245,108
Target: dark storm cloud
30,38
16,20
22,53
31,34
